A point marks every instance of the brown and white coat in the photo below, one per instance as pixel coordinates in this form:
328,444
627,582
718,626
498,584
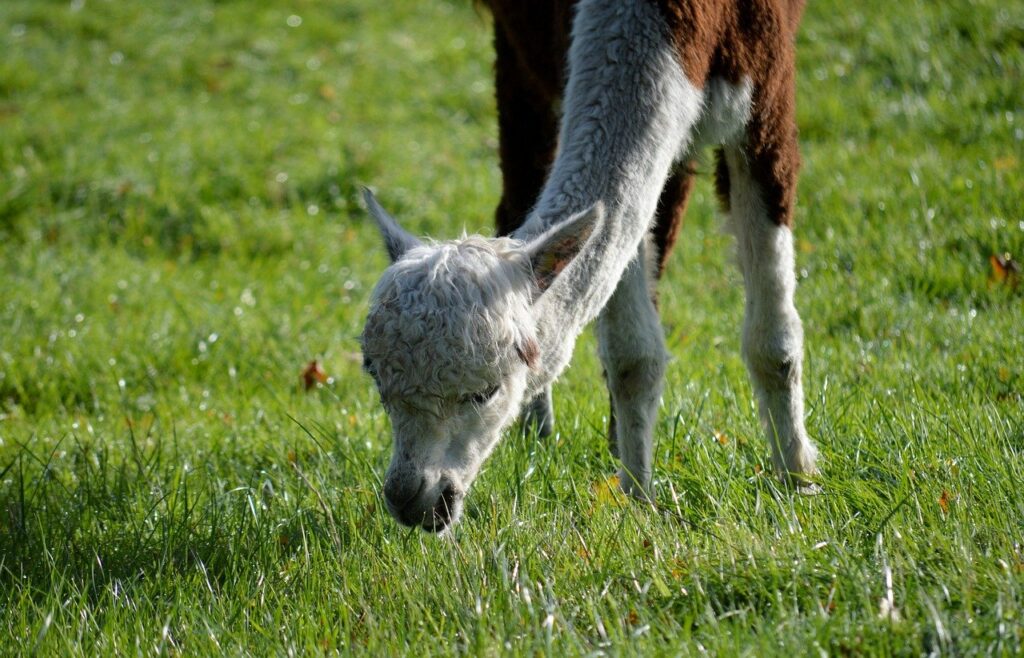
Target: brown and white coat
590,167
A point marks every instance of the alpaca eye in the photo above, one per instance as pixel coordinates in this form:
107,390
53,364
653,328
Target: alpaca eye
483,396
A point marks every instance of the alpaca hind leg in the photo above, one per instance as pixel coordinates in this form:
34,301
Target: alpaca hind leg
632,349
772,332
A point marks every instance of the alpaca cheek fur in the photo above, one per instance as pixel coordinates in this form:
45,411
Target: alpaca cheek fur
454,447
479,430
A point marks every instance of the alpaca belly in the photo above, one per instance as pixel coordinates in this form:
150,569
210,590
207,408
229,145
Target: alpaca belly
725,114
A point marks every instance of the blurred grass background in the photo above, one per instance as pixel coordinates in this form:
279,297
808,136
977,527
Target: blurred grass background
180,236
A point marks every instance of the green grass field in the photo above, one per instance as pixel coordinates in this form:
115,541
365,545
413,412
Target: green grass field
180,236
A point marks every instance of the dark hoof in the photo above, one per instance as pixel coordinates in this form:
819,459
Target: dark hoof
539,415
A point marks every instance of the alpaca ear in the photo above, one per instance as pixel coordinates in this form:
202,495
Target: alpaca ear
396,239
551,251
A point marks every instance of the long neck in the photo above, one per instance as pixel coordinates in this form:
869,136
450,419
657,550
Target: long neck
628,112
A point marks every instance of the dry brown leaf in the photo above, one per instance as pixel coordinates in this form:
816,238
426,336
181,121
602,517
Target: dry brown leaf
313,374
1005,270
944,500
678,569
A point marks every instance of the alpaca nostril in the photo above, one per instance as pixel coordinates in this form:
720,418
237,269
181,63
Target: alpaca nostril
444,508
398,492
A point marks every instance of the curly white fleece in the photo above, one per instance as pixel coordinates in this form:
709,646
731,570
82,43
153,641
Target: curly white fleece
448,317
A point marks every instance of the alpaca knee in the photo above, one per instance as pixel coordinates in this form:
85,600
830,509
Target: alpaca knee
774,353
639,378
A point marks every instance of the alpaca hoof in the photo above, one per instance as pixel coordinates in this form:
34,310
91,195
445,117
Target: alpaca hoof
809,489
639,490
539,415
804,483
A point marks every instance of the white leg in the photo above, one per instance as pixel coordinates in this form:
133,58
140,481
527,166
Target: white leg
772,333
632,348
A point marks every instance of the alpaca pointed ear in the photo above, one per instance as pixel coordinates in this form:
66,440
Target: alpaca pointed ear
551,251
396,239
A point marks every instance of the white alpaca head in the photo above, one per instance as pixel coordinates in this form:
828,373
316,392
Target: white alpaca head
452,342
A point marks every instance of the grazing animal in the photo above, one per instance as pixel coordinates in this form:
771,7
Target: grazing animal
462,334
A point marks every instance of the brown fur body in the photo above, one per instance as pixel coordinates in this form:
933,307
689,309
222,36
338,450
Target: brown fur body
731,39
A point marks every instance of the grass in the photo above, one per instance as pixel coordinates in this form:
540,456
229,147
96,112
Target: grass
179,236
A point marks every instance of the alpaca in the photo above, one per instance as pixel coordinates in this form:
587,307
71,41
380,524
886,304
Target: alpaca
461,334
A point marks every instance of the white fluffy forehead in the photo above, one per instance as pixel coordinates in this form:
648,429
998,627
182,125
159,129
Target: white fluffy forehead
447,317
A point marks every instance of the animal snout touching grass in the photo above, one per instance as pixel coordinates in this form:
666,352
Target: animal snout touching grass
634,276
643,95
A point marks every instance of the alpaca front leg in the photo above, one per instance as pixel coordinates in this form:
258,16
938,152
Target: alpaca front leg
772,332
632,348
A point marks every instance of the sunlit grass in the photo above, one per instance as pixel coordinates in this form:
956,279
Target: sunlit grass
180,235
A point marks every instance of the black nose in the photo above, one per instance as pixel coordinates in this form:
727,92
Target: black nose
399,492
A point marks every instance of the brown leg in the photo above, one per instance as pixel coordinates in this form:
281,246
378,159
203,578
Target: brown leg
671,207
527,134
